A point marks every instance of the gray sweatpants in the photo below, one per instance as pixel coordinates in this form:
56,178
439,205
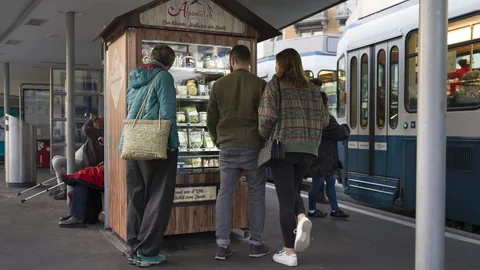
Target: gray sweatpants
59,164
150,189
233,162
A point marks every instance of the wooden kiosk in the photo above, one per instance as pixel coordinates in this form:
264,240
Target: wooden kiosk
202,33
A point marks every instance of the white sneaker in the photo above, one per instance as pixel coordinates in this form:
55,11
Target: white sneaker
288,260
302,239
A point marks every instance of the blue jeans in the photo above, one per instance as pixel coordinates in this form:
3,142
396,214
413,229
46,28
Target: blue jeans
317,183
233,162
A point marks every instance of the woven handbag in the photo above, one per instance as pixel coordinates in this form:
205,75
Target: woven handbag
145,139
273,153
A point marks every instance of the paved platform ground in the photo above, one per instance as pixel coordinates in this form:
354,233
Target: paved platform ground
30,239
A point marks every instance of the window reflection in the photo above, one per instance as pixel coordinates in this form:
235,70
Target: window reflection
329,86
381,64
364,92
462,85
341,88
353,92
394,79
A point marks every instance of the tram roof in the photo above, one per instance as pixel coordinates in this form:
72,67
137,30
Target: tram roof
33,31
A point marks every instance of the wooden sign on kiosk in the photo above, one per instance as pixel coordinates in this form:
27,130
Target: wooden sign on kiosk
202,33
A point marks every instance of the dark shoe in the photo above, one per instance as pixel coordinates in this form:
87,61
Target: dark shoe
72,222
223,253
323,200
65,218
317,213
144,261
258,251
339,214
132,259
61,196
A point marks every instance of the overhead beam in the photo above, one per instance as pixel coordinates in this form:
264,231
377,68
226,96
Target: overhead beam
20,19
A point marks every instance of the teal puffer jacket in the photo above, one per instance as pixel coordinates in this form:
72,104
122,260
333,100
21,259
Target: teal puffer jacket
161,102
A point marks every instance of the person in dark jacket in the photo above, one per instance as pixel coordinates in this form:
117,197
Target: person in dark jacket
89,155
93,153
325,167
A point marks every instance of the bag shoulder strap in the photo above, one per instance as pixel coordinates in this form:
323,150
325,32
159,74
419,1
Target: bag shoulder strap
279,108
147,95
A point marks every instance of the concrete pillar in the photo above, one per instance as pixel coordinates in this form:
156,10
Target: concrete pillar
70,89
431,138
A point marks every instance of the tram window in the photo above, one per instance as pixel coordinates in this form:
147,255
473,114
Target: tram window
463,66
329,86
364,92
394,79
309,75
353,92
341,87
381,79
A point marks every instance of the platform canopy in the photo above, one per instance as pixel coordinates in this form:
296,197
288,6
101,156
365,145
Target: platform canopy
33,31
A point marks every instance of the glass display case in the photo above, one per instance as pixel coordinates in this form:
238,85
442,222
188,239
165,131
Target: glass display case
88,89
195,70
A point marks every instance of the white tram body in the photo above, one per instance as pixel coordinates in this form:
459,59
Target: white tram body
377,62
318,58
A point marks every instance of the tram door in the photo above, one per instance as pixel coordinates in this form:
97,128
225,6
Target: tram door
370,84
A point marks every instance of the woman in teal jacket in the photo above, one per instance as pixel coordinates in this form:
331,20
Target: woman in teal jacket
151,183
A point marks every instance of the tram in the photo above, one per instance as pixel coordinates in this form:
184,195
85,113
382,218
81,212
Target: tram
318,58
377,90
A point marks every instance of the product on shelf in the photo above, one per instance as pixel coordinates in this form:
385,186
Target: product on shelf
192,115
208,61
203,118
181,117
189,61
196,162
146,60
208,141
183,138
208,162
192,88
196,138
203,89
219,62
215,163
182,90
178,60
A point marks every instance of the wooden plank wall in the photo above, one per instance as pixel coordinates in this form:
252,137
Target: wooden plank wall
116,115
201,218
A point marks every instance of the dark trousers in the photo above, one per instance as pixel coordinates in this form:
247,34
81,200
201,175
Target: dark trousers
288,178
151,189
317,188
86,203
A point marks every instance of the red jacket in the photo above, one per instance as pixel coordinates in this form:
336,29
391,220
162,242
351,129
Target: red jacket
92,177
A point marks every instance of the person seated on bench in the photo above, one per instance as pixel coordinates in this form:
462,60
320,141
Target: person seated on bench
86,197
90,154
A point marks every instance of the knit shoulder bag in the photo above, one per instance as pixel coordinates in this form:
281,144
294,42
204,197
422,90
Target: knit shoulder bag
145,139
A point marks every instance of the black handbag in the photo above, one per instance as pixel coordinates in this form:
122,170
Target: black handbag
273,153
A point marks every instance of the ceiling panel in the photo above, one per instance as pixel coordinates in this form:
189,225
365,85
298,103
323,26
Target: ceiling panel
9,12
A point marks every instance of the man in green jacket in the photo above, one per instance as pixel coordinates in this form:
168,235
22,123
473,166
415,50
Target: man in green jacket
232,119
